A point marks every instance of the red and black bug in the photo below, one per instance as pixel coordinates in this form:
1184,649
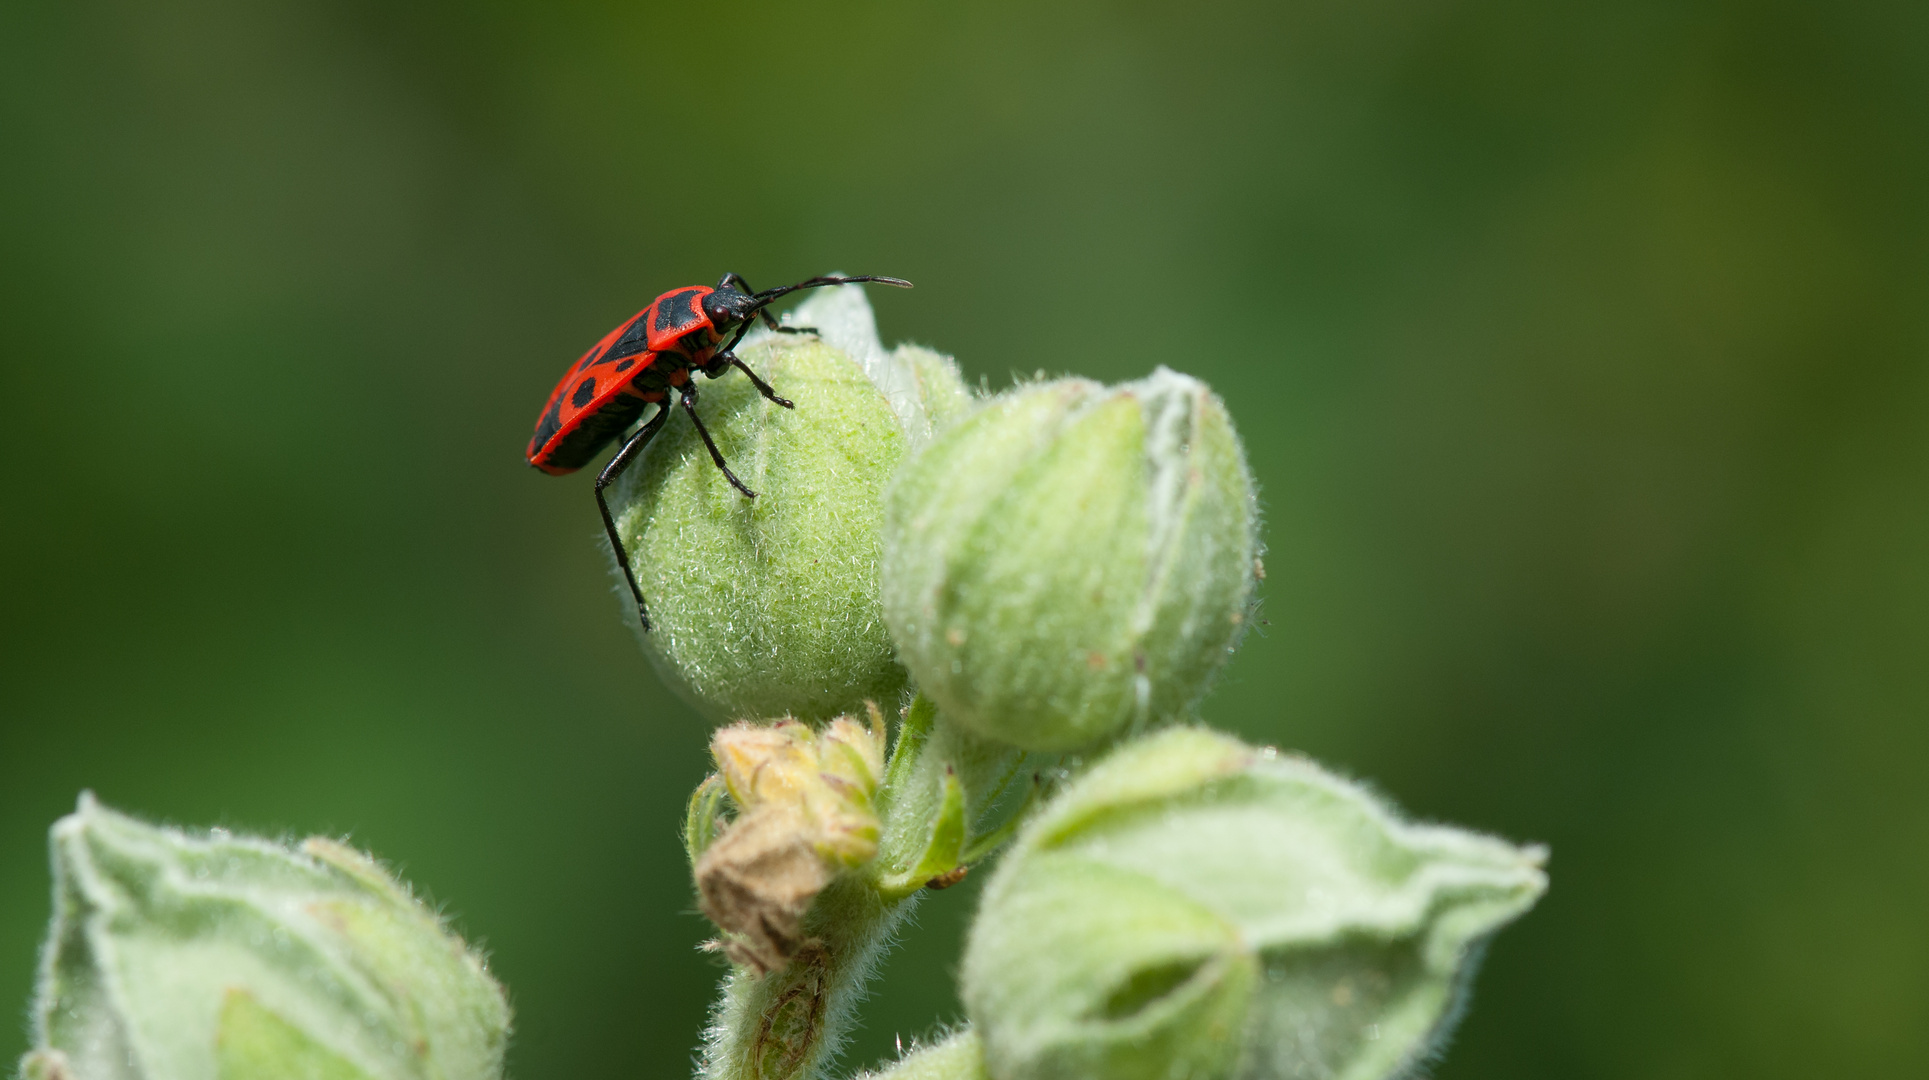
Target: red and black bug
638,364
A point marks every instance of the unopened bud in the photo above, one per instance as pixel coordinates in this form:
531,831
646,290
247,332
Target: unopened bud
1071,559
959,1056
1196,907
769,606
177,956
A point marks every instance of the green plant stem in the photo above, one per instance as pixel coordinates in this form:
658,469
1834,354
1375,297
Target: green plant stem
790,1023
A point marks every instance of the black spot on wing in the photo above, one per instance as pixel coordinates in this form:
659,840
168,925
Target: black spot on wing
676,310
634,339
585,393
625,365
593,431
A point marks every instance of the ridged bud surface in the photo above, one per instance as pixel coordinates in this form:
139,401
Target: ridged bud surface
212,957
1071,559
1194,907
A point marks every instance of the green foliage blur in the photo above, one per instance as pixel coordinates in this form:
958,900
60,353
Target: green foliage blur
1580,351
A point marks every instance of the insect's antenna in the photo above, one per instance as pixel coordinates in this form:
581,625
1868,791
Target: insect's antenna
768,295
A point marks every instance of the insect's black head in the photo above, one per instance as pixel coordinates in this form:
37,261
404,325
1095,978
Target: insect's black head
729,306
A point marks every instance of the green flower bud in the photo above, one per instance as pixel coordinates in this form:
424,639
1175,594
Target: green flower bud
212,957
1072,559
1193,907
957,1057
769,606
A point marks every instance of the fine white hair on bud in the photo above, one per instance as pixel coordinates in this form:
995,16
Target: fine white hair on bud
1072,559
214,956
1196,907
923,387
769,606
957,1056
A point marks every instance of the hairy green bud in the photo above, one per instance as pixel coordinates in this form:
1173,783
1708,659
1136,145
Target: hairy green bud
769,606
213,957
959,1056
1072,559
1196,907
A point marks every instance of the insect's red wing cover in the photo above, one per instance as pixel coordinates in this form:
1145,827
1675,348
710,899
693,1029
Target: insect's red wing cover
590,385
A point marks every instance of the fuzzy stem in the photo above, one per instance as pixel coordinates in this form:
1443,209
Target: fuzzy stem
789,1024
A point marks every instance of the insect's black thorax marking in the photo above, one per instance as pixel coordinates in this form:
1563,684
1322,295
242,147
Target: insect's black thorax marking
678,309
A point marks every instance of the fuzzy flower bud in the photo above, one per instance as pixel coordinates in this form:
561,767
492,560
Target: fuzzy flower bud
769,606
825,780
1072,559
212,957
957,1057
806,812
1195,907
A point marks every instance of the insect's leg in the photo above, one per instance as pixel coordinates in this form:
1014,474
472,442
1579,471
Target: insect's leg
607,477
737,338
729,355
689,392
771,321
734,278
762,386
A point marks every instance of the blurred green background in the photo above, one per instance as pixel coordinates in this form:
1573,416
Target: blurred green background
1579,347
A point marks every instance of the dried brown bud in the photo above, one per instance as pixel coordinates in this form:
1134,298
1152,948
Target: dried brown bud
756,881
806,812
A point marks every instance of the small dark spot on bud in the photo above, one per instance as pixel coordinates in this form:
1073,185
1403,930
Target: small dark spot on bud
948,878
